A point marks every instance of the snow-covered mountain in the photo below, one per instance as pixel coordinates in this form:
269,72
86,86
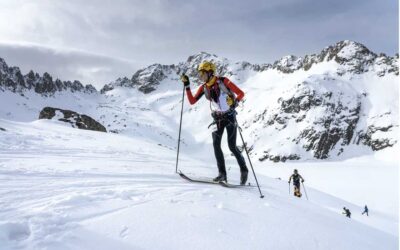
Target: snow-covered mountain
67,188
351,57
334,104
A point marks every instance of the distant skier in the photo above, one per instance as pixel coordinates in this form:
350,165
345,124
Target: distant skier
296,182
224,97
346,212
365,210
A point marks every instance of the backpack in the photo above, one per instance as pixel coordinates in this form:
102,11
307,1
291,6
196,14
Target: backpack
221,86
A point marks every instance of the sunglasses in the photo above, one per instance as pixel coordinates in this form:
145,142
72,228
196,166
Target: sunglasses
202,73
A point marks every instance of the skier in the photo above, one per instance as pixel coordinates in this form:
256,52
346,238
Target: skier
296,182
224,96
346,212
365,210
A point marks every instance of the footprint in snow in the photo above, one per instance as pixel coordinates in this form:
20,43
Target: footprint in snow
14,231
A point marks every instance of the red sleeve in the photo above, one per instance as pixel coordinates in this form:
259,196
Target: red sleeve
235,89
193,99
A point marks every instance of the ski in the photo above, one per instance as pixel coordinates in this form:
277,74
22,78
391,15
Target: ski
210,181
229,185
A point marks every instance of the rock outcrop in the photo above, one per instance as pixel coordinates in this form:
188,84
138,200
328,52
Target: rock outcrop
76,120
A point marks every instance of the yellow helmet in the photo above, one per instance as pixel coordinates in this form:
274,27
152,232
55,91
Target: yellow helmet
207,66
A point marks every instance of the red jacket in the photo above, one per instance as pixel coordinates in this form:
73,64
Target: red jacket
200,91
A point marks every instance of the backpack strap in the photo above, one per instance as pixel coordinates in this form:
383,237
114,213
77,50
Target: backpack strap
206,92
223,87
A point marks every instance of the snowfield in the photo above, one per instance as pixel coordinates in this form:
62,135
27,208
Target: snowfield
334,116
65,188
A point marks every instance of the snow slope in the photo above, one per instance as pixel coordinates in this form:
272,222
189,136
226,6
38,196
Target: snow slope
65,188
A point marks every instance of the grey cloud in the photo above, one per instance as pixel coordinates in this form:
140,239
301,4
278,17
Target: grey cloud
67,65
169,31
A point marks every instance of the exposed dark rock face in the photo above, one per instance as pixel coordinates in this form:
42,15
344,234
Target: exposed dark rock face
75,119
278,158
147,79
352,57
2,129
120,82
338,124
355,55
376,144
12,79
327,118
288,64
90,89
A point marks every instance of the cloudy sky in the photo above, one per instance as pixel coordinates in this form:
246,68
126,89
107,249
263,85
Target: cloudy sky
97,41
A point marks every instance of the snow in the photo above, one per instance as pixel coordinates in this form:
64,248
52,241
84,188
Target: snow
65,188
348,51
290,62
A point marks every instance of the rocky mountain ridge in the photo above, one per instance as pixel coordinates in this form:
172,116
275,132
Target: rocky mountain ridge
319,106
12,79
351,57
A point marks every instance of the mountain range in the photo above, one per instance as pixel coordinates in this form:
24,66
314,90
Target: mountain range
336,104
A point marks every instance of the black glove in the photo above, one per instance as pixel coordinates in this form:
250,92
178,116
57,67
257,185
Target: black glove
185,80
236,103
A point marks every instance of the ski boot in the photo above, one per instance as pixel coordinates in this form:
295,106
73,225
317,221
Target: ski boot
297,192
243,177
221,177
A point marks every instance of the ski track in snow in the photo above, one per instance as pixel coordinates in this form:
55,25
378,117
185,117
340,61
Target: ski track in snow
79,189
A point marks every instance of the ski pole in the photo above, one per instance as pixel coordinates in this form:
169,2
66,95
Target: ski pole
180,127
248,157
289,187
304,190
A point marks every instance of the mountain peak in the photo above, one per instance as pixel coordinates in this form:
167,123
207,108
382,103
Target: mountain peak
346,50
288,64
201,56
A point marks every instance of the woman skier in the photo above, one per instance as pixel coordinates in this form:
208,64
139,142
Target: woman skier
224,97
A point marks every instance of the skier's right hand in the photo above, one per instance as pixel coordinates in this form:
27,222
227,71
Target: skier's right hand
185,80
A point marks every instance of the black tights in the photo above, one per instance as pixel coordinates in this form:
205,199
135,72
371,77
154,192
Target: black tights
228,122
